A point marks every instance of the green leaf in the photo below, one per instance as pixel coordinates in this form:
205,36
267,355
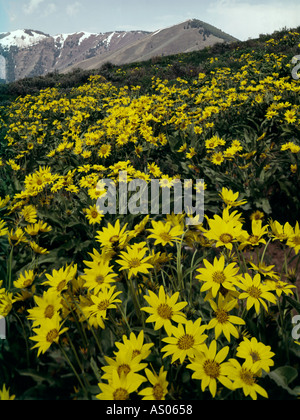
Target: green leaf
295,304
284,376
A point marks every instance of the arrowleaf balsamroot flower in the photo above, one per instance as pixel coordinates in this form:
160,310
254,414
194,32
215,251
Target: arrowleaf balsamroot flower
159,383
216,276
113,237
208,367
256,353
59,280
165,233
134,260
5,394
136,344
119,388
222,321
230,198
225,230
245,376
255,292
47,334
164,309
186,341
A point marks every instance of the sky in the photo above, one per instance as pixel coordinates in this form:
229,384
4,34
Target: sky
243,19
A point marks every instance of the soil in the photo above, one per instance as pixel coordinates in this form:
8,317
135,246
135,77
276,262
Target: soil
275,255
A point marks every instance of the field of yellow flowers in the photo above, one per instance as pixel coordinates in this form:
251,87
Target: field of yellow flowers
143,306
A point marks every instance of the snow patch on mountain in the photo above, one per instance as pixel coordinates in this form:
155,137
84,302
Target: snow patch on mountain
21,38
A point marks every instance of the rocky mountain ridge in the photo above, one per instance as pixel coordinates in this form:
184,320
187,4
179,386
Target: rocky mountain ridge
29,53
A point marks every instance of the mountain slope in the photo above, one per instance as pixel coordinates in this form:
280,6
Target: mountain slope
29,53
192,35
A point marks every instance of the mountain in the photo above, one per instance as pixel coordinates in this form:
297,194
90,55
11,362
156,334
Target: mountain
29,53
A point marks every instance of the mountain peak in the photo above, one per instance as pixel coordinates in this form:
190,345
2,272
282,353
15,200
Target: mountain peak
28,53
21,38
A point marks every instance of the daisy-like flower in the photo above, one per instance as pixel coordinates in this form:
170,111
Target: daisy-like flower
280,232
105,150
134,260
25,280
164,309
256,237
5,394
245,376
6,302
256,353
208,367
59,280
124,364
159,383
3,228
223,322
165,233
215,276
294,239
16,237
264,270
113,237
119,388
34,229
48,306
281,287
186,341
38,249
230,198
47,334
30,214
100,276
225,230
255,292
106,299
93,215
136,343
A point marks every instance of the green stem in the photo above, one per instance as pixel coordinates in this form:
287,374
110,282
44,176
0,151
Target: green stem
9,269
73,369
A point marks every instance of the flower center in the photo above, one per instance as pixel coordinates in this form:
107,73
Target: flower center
52,335
158,392
211,368
94,214
296,240
226,238
103,305
186,342
49,311
123,370
99,279
61,285
247,377
222,316
114,239
166,237
255,356
165,311
253,239
120,394
254,292
134,263
219,277
135,353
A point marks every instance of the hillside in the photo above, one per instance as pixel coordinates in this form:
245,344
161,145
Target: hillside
189,36
118,296
29,53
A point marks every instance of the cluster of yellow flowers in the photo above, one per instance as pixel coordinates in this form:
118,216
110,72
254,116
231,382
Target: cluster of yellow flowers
179,294
90,297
